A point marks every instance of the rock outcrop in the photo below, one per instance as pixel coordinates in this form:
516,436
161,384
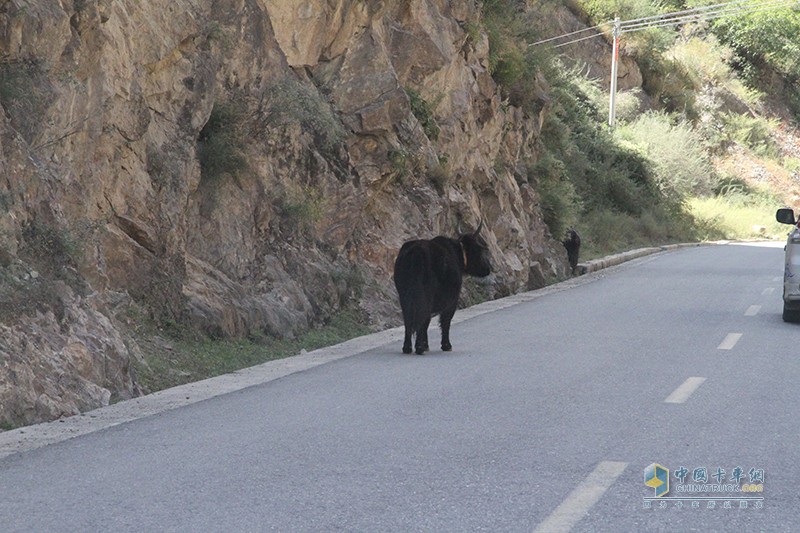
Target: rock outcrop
246,166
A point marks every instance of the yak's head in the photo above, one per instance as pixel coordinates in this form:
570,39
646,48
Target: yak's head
476,253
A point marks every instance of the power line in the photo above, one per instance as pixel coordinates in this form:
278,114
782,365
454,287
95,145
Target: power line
677,18
582,39
568,34
710,15
687,11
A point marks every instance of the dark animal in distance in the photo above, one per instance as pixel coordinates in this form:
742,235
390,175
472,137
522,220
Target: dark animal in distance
428,276
573,245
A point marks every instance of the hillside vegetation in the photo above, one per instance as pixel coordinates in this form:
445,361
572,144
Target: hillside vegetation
706,148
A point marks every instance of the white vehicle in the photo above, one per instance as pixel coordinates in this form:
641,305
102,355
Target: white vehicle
791,274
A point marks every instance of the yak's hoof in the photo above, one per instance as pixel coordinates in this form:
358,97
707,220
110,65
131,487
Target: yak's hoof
447,347
406,349
420,350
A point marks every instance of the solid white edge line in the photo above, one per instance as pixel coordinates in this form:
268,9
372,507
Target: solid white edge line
730,341
752,310
682,393
582,498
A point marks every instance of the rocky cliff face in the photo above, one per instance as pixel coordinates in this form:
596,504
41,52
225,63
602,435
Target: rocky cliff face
246,166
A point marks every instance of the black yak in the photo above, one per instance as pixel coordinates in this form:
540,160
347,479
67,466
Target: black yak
428,274
572,243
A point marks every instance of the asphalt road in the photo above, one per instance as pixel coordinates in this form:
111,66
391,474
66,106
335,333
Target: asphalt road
543,418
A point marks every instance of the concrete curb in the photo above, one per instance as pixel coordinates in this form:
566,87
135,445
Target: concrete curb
618,259
31,437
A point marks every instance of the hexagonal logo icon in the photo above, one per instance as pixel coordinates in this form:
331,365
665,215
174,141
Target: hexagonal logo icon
657,477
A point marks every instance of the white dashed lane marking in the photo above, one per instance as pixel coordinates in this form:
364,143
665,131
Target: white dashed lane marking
682,393
752,310
580,500
730,341
768,290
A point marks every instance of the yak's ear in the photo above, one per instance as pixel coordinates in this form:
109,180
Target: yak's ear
480,227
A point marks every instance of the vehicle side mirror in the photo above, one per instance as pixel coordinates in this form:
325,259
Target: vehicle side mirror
785,215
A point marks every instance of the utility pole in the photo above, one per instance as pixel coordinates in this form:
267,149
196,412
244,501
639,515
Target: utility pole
614,64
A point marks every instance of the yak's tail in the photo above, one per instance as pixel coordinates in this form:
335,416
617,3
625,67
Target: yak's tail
411,278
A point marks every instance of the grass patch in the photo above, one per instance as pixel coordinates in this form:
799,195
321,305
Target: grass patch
607,232
737,216
174,358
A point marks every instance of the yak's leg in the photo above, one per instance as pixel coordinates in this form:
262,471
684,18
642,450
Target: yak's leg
407,340
408,322
444,323
422,337
425,334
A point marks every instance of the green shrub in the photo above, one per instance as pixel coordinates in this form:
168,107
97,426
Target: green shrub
473,31
304,206
293,102
6,201
559,200
220,142
754,132
770,36
51,248
792,164
681,166
401,162
727,185
628,104
423,111
439,175
647,45
25,93
669,82
48,256
707,64
606,10
501,29
605,174
765,42
511,61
